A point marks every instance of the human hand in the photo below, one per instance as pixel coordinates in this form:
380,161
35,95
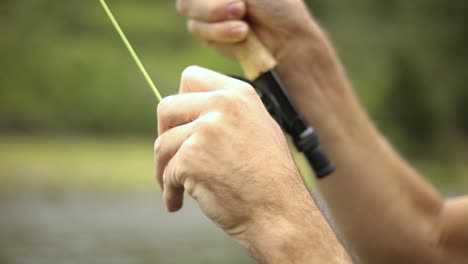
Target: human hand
279,24
218,143
306,60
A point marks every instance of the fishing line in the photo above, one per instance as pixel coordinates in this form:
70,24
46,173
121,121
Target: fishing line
132,51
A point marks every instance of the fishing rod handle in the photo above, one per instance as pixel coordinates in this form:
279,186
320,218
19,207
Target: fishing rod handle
259,67
254,58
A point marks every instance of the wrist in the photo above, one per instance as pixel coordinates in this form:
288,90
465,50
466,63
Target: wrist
319,87
298,235
272,238
300,42
309,62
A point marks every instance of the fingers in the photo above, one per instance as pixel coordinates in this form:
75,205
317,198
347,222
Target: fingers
166,146
197,79
222,32
212,11
202,92
177,110
173,193
165,149
199,88
215,21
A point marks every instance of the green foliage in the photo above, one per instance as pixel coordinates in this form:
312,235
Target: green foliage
64,69
408,61
409,108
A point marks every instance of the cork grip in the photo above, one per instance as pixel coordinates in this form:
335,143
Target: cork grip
254,57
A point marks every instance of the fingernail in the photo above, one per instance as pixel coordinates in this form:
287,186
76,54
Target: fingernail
236,9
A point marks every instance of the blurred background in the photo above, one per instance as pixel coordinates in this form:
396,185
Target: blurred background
77,120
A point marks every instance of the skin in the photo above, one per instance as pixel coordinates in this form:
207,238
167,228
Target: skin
202,151
407,221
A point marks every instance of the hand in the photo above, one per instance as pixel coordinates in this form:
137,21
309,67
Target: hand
307,62
220,23
218,143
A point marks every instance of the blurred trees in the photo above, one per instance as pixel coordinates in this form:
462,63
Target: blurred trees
408,106
63,68
408,61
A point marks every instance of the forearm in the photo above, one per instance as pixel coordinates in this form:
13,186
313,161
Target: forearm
298,235
377,200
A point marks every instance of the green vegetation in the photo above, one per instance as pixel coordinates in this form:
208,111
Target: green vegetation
65,71
74,164
64,68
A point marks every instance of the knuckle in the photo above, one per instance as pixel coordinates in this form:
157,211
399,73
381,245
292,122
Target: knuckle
231,105
248,95
190,72
205,125
226,99
248,91
180,167
164,106
213,10
189,186
190,146
207,130
188,78
182,171
161,110
187,158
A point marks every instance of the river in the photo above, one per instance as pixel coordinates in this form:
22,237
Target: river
89,228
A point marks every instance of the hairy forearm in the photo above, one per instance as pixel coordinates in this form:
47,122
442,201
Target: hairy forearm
377,200
300,235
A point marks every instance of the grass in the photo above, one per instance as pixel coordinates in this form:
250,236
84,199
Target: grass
67,163
76,163
119,164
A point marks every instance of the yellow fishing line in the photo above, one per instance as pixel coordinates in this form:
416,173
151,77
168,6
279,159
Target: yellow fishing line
132,51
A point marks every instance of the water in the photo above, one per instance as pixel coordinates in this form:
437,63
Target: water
86,228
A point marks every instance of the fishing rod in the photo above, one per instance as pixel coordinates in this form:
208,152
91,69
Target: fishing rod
259,67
